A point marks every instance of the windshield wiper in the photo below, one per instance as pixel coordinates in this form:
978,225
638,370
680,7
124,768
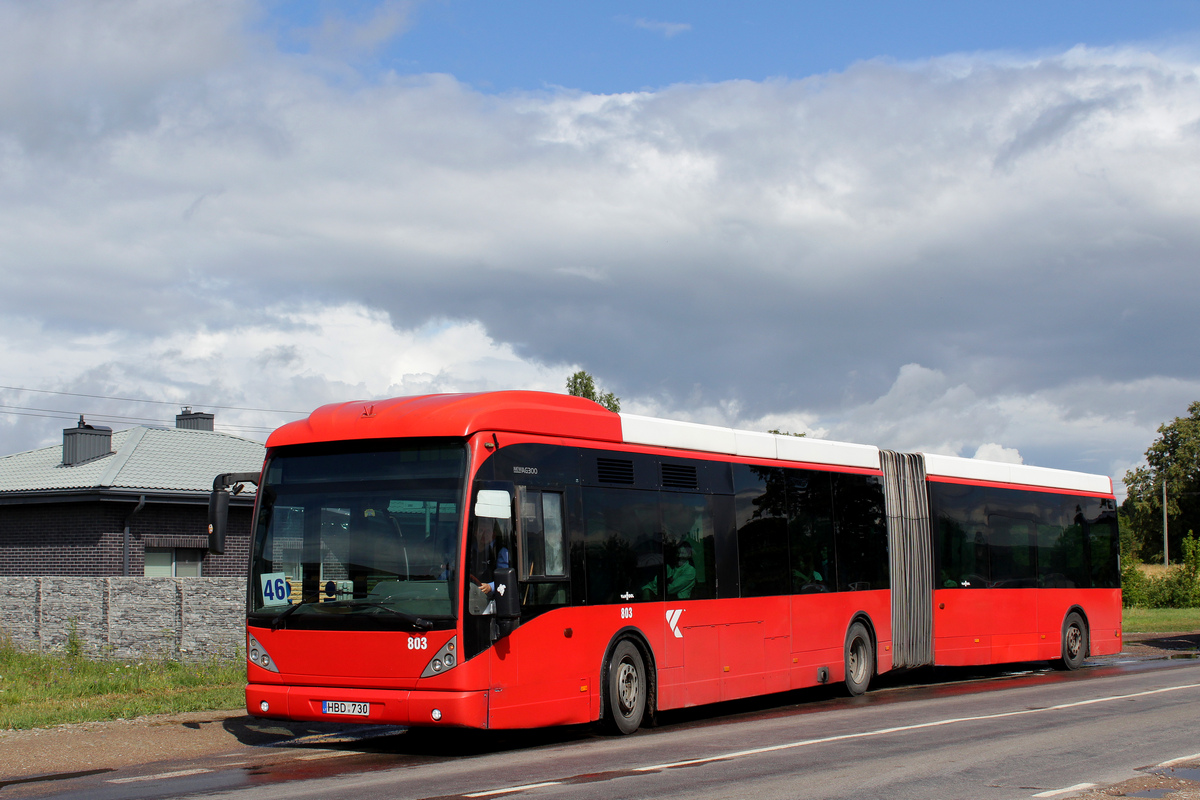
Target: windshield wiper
417,622
277,623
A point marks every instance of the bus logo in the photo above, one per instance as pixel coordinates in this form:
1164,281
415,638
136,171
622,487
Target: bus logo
673,615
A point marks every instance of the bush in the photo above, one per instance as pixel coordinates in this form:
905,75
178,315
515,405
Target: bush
1179,587
1134,585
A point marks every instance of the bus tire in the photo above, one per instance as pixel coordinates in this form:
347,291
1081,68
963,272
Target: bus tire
625,689
859,659
1074,642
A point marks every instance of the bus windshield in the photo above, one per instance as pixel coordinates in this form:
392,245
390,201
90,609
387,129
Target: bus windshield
354,535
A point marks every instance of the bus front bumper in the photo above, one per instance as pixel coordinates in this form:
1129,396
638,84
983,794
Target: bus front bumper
383,706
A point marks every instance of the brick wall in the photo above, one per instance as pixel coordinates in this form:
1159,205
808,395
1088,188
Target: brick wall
88,538
115,617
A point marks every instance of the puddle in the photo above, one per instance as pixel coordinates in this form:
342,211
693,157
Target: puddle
1185,773
1151,793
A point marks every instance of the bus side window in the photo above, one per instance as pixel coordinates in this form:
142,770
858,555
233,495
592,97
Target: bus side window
762,536
861,533
688,546
554,533
624,558
961,536
542,534
811,531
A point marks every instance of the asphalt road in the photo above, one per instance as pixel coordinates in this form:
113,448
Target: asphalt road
1039,734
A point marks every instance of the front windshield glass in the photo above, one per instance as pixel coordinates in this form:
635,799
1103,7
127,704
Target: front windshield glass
359,535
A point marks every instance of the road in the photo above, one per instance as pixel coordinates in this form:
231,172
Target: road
1038,734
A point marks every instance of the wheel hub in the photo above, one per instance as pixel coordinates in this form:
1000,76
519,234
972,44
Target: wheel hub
628,687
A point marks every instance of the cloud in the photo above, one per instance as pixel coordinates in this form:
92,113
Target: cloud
669,30
339,34
995,452
945,254
292,359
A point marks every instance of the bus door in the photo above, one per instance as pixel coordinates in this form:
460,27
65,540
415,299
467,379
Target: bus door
538,674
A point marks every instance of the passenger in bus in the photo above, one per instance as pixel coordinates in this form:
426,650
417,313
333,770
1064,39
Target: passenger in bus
681,578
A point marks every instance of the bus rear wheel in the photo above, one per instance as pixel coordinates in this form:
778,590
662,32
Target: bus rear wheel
625,689
1074,642
859,658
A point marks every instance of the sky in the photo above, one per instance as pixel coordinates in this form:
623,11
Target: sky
967,229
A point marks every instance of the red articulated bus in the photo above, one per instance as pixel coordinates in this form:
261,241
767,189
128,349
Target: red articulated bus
523,559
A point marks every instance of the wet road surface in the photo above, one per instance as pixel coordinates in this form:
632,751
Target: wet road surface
985,732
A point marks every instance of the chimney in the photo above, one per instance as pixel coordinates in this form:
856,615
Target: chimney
85,442
193,420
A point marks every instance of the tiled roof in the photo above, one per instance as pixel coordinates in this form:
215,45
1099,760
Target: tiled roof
152,459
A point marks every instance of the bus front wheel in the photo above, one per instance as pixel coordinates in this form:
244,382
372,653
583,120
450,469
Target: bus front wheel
859,658
625,689
1074,642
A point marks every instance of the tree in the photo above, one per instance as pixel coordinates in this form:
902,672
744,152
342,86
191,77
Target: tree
1174,457
581,384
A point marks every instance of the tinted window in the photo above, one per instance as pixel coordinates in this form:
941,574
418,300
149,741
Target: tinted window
862,549
761,511
811,531
1012,551
1104,544
623,551
961,536
688,546
1013,538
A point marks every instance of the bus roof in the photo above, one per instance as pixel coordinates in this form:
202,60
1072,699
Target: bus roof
539,413
550,414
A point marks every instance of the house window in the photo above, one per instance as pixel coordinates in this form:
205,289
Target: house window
173,562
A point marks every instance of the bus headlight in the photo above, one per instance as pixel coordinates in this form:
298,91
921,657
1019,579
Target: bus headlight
443,659
257,655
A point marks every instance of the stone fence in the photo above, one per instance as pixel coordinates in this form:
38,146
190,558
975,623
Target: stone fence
121,618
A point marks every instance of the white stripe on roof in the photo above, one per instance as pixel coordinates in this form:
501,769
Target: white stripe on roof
997,472
655,432
751,444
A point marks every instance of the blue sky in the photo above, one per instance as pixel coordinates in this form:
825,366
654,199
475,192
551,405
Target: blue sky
959,228
609,47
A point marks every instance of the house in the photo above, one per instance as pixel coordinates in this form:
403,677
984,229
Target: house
129,503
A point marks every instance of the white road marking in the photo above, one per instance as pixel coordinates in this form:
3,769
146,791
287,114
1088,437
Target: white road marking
903,728
1079,787
1179,760
160,776
509,790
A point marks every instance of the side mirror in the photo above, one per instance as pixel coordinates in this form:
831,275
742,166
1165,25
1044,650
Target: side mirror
218,520
508,600
218,506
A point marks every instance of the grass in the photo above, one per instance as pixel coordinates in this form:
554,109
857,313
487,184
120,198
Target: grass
1160,620
38,689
